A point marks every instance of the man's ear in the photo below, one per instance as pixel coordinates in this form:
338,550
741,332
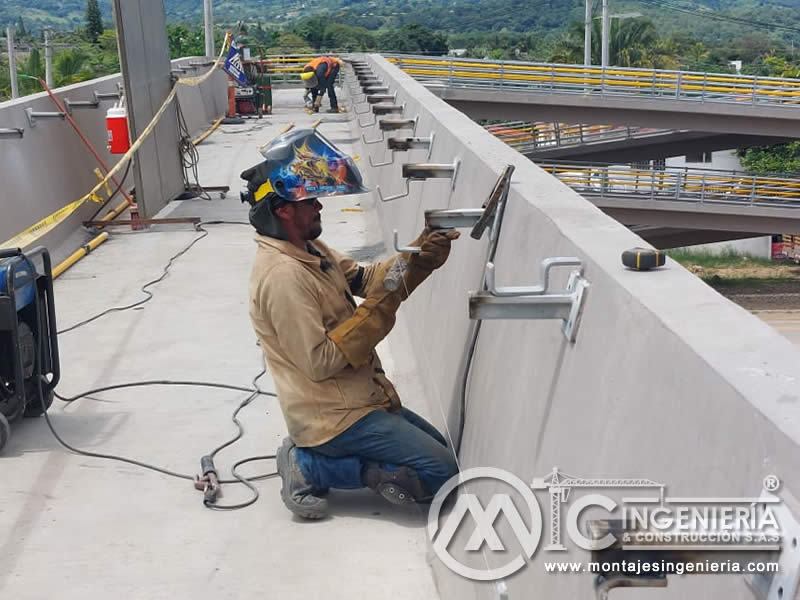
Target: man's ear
283,212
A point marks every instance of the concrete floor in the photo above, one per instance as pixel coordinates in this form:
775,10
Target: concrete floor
74,527
785,322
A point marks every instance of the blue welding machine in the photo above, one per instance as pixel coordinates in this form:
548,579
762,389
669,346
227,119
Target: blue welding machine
29,364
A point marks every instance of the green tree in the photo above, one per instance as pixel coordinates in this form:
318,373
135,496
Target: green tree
21,31
184,41
632,43
94,20
777,159
70,67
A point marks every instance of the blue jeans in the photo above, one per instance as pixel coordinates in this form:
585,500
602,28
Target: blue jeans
391,439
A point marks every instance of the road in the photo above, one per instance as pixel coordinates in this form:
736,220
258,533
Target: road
786,322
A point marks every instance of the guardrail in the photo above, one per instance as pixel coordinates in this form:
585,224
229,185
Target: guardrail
526,137
676,184
512,76
285,69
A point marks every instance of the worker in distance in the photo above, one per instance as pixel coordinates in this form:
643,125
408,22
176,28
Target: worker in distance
347,427
319,77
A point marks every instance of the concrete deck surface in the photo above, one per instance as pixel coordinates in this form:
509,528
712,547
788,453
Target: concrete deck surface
73,527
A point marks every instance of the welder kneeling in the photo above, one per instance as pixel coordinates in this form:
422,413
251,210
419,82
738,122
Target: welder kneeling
346,424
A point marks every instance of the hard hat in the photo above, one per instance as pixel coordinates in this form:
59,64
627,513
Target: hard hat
309,79
302,164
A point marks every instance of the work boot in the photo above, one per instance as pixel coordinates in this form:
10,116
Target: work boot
398,487
333,110
297,494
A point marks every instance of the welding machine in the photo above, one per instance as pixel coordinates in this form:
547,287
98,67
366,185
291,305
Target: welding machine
29,365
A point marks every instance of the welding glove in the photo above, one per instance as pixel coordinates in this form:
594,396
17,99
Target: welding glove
357,337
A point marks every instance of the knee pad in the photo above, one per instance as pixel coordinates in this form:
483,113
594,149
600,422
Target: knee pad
405,478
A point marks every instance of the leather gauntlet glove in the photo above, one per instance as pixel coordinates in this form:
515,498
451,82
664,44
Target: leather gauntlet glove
357,337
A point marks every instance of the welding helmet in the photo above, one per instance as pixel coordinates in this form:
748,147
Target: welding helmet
300,164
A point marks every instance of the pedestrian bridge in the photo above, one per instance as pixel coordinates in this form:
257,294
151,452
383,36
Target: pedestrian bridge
615,143
722,103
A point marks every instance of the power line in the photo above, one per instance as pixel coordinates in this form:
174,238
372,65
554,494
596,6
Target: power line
720,17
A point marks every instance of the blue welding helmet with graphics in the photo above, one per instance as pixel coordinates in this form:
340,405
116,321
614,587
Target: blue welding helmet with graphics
300,164
303,164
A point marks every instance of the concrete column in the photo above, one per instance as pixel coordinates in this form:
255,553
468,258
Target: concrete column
604,60
48,59
145,66
587,36
12,62
208,17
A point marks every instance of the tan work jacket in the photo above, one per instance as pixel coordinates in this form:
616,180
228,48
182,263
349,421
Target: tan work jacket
294,303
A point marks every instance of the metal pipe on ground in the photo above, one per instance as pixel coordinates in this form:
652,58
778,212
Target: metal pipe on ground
84,250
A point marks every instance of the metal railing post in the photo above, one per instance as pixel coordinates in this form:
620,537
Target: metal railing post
703,97
678,86
755,82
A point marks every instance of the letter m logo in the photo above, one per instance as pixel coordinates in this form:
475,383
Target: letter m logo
484,525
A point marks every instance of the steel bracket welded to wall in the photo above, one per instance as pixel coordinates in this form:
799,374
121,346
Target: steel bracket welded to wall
404,145
33,115
421,172
534,302
782,585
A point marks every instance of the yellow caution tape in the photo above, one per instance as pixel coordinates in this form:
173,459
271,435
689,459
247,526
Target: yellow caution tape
50,222
31,234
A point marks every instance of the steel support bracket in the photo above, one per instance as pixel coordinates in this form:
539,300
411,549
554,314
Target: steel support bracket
33,115
534,302
784,584
13,132
72,104
452,218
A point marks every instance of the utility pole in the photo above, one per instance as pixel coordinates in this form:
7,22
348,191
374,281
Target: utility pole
12,62
208,15
587,35
604,59
48,59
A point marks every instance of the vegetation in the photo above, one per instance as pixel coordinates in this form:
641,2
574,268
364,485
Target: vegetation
94,21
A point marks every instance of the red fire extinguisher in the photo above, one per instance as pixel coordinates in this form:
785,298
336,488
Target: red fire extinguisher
117,126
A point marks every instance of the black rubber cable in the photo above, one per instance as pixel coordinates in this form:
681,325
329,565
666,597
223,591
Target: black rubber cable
255,391
114,193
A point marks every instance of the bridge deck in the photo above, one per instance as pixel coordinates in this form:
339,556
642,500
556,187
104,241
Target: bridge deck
75,528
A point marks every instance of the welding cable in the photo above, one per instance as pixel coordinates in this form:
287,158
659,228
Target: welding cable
198,227
114,193
255,391
143,288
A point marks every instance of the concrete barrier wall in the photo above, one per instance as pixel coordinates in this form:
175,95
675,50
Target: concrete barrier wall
50,167
667,380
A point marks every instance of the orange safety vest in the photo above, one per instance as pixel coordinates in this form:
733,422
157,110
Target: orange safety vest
314,63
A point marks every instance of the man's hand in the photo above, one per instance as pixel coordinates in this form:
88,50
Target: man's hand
435,246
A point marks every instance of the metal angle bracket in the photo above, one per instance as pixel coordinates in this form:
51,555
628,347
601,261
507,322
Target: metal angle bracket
385,125
534,302
784,584
421,172
33,115
403,145
13,132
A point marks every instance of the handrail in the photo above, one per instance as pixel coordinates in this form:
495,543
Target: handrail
680,184
514,76
528,137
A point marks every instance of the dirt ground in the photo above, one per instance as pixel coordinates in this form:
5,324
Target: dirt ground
755,287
